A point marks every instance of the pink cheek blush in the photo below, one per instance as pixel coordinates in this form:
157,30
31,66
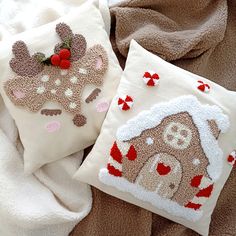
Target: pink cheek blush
53,126
99,63
102,106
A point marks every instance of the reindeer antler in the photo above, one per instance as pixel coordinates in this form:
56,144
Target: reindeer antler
76,42
23,64
37,83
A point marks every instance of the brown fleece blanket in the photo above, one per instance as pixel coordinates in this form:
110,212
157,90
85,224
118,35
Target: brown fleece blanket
199,36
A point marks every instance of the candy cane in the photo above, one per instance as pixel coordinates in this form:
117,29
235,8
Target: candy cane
205,186
118,151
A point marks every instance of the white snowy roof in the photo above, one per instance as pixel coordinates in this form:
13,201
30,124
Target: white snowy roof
199,113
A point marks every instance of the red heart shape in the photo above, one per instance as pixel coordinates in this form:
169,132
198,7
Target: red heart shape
163,169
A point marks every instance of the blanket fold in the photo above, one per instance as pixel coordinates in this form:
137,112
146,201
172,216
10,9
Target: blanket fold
38,206
47,203
171,31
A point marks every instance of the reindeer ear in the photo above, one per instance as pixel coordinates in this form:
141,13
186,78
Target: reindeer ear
98,59
23,64
214,128
16,90
21,92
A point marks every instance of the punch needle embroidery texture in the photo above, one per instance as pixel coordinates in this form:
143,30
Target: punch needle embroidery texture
59,78
169,156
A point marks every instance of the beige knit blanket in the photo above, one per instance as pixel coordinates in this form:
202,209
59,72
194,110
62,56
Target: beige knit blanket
199,36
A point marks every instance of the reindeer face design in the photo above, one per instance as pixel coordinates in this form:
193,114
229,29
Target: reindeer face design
37,80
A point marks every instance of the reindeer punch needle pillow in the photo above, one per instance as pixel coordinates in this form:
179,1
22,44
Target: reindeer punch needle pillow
167,143
57,82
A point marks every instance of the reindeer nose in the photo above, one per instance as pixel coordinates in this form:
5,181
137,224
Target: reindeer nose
79,120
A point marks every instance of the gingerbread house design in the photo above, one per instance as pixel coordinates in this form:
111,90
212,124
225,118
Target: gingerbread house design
169,156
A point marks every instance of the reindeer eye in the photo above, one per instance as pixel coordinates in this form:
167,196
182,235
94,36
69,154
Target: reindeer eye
51,112
93,95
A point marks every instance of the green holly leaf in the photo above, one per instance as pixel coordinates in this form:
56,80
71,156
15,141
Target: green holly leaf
47,61
40,56
67,43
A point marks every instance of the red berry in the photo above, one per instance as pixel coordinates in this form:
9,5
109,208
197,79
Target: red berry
64,53
55,60
64,64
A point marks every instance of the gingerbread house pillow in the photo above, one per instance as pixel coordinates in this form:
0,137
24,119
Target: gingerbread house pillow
167,143
57,82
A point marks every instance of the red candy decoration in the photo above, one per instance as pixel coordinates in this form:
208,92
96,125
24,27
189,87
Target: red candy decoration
55,60
64,64
232,158
203,86
64,53
151,78
125,102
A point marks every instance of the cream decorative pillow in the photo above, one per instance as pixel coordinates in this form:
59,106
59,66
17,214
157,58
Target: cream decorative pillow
57,82
166,141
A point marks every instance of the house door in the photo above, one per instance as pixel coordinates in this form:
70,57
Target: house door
162,174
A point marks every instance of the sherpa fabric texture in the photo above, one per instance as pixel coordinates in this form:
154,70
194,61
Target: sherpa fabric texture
17,17
50,202
54,110
168,153
217,62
